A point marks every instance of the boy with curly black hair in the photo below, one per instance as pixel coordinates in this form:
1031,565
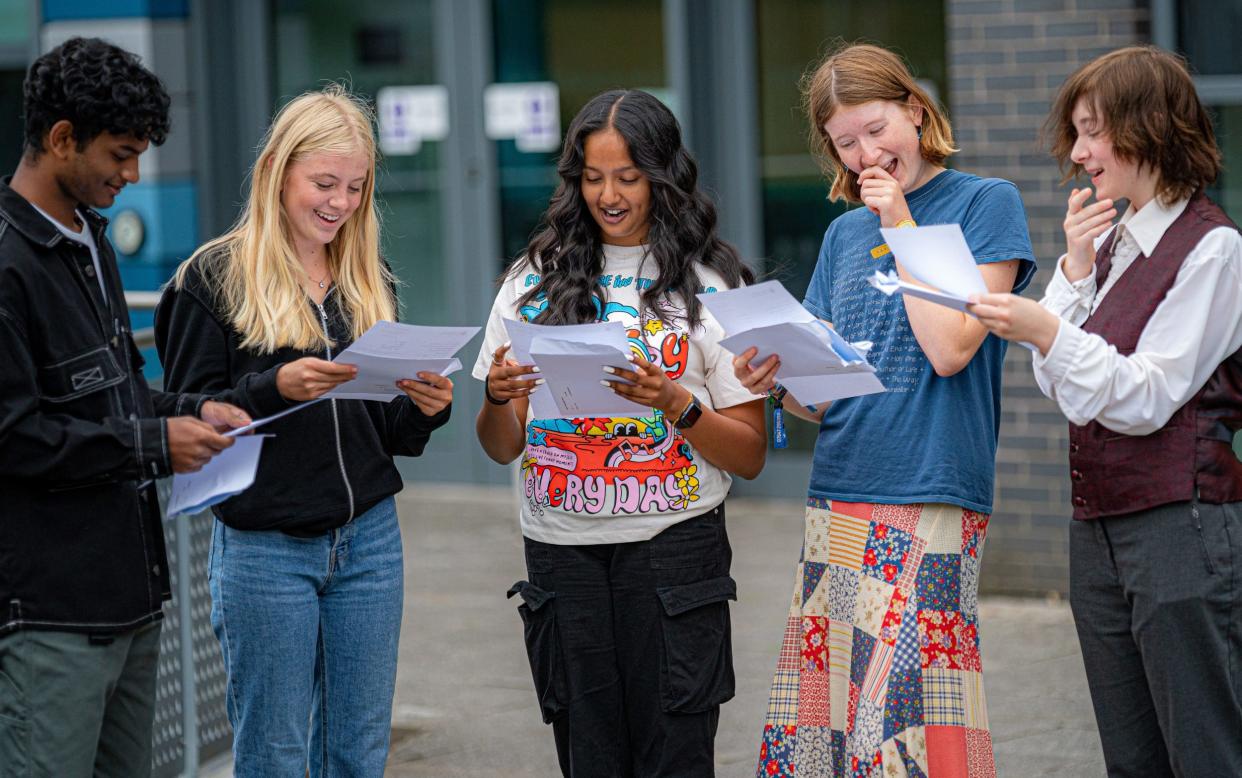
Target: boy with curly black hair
83,570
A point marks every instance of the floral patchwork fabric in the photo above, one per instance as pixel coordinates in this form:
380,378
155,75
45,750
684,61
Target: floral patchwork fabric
880,672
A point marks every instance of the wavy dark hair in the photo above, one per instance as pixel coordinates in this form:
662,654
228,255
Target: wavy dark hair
98,88
567,248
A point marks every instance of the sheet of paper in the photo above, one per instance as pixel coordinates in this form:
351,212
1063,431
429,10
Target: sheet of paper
260,422
391,352
573,371
804,348
522,334
228,473
750,307
848,382
890,284
938,256
817,364
394,339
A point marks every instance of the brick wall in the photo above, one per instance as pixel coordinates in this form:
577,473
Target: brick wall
1006,60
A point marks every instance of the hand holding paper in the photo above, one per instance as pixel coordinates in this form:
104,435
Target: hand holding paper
816,363
390,352
229,473
570,360
507,379
937,256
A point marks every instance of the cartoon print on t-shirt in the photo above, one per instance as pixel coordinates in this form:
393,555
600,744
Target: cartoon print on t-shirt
614,465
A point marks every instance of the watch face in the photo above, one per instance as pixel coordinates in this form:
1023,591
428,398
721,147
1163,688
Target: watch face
689,416
128,232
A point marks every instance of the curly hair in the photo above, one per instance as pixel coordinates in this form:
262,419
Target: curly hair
1145,100
567,246
98,88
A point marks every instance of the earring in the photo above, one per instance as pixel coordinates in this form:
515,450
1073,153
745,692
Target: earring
920,131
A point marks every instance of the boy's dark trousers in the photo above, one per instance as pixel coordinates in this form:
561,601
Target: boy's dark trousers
1157,600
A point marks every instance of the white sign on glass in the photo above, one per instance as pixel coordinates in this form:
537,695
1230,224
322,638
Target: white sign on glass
528,113
409,115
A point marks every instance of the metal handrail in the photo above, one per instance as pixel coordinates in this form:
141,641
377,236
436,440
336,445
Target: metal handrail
143,301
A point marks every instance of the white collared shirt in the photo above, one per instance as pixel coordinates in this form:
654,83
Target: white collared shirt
1195,328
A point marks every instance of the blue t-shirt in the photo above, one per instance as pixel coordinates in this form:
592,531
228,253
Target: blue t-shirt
928,438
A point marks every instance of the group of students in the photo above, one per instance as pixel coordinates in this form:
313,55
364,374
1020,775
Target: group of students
625,605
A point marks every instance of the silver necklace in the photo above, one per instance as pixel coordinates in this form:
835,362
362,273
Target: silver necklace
323,282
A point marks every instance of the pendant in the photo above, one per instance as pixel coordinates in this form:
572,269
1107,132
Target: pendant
321,284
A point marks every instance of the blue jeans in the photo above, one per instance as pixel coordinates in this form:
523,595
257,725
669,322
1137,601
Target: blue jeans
309,628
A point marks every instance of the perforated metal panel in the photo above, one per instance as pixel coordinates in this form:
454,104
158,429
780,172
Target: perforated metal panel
207,668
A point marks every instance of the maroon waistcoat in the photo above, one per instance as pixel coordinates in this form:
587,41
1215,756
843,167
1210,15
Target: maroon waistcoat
1113,474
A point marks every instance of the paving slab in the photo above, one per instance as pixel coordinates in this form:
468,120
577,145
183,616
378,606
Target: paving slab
465,705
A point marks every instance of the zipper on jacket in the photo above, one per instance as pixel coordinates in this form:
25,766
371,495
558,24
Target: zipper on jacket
336,421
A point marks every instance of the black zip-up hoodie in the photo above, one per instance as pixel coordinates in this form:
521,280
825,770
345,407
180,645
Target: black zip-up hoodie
81,437
328,462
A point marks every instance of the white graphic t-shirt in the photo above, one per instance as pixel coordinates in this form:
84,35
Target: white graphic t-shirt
616,480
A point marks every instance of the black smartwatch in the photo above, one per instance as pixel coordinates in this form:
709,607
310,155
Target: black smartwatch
690,415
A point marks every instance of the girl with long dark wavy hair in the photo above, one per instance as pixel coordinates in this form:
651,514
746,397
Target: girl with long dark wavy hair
625,606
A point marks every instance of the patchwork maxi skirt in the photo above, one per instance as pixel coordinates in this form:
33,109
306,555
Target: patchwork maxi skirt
879,672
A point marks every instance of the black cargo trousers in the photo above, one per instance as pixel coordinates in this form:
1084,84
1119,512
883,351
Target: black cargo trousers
630,649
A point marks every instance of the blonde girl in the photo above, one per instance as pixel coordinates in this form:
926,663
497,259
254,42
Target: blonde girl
306,566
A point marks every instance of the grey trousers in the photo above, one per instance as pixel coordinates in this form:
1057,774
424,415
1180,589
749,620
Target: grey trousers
73,707
1157,600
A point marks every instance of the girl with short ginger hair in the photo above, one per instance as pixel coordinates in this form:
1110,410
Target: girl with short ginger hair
880,670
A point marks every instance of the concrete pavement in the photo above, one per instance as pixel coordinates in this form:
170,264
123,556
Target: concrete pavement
465,705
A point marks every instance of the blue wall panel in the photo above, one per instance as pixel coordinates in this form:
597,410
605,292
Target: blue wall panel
60,10
169,211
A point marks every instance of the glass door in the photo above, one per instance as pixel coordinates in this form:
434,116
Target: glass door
584,47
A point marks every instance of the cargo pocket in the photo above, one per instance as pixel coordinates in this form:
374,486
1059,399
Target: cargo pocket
14,731
543,647
696,669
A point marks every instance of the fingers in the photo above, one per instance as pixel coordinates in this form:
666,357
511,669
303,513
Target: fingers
763,377
223,416
641,393
874,172
990,298
325,368
208,440
333,373
498,356
433,386
504,382
1077,198
511,370
631,376
1096,223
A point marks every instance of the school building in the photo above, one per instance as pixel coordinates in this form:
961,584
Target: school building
473,96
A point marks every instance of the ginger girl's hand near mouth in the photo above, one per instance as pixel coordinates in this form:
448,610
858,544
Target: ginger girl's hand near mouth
1083,224
882,195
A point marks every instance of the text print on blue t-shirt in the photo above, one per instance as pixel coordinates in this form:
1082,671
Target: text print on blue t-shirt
928,438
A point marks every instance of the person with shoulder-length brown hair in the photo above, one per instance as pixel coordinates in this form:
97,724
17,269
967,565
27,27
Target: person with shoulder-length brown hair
1139,340
880,671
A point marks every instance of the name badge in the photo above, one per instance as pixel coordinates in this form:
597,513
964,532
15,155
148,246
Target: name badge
879,251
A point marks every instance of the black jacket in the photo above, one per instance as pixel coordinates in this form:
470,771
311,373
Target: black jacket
81,543
328,462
